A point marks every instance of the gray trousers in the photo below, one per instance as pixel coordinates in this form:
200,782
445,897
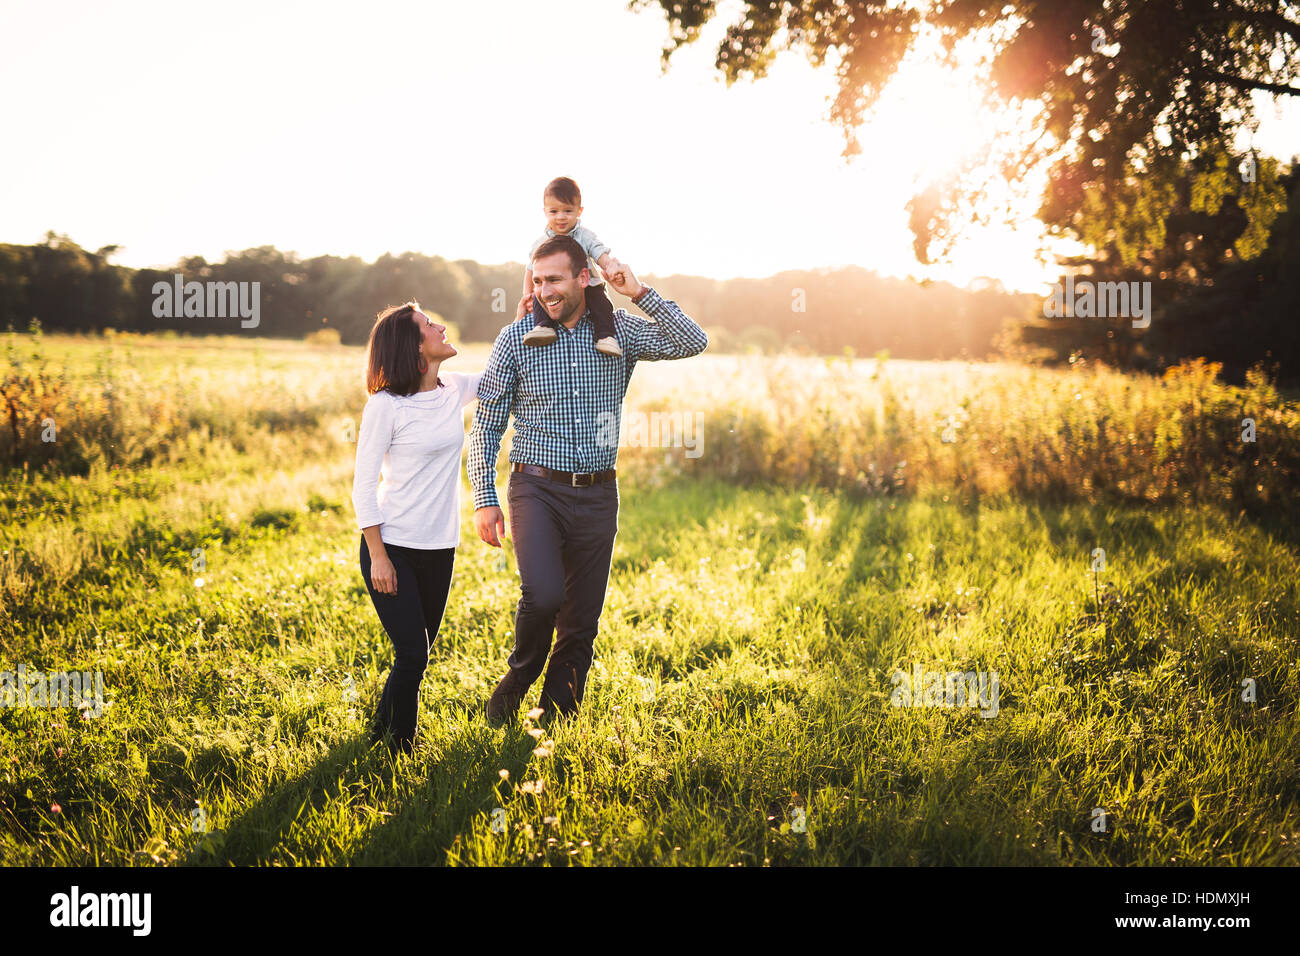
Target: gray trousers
564,541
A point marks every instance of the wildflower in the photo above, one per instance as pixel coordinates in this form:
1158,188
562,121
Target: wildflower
535,733
551,821
198,582
55,808
503,774
535,713
531,786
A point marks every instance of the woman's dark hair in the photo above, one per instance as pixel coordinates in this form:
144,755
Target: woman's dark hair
564,189
393,355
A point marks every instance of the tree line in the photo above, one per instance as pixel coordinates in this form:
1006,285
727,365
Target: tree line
68,288
1235,311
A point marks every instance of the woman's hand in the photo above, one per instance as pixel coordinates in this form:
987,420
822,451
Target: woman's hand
383,576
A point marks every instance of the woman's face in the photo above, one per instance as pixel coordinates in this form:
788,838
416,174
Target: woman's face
433,338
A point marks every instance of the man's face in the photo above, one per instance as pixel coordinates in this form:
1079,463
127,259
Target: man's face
560,216
562,293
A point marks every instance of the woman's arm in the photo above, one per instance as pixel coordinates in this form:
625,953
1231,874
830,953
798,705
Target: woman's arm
469,387
382,573
372,444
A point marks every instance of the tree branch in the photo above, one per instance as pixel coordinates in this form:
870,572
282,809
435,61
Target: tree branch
1245,83
1274,21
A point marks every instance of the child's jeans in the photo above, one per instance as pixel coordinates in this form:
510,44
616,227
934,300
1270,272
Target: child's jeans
602,312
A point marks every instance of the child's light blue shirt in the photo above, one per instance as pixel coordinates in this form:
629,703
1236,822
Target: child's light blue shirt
585,238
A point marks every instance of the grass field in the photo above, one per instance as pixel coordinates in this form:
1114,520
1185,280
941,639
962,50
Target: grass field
192,537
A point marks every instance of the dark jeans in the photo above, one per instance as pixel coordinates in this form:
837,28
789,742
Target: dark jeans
564,540
602,312
412,618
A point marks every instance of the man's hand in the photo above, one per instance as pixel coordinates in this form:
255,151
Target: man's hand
489,522
621,278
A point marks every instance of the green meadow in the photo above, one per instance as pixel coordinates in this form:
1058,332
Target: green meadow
1106,544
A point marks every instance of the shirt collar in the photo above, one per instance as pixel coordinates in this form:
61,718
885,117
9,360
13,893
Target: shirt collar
585,316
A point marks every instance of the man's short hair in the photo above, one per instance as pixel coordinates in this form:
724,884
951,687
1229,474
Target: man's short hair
566,244
564,189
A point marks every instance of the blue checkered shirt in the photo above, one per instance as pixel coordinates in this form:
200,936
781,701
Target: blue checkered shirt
566,397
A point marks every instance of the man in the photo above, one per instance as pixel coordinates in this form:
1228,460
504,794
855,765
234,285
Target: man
563,495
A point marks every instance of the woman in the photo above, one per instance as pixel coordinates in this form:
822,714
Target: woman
412,431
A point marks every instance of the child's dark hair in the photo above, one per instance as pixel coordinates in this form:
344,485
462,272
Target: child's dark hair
565,190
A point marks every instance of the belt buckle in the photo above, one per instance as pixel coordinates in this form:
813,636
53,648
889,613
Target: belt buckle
577,475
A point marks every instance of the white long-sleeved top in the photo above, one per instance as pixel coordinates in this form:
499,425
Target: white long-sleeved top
413,442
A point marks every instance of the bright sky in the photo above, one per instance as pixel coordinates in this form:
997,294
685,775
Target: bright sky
406,125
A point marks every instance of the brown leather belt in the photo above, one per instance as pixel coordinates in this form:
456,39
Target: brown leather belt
579,479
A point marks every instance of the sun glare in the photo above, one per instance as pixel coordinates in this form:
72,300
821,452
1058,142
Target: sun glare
932,123
929,121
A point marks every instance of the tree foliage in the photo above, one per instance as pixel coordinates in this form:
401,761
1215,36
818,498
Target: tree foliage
1127,93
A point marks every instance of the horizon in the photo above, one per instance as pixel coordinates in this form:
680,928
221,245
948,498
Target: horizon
296,257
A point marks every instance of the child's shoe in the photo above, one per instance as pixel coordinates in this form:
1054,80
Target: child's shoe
608,345
540,335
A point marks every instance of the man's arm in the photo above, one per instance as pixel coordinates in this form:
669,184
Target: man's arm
496,397
673,334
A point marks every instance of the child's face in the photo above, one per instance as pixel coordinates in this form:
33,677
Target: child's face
560,216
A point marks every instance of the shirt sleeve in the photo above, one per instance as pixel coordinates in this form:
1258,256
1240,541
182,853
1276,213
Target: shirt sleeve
376,434
469,382
590,244
673,334
496,398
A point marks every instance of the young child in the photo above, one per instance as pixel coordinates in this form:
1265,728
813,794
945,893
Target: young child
562,204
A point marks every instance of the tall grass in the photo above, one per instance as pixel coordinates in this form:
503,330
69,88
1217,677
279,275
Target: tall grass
72,406
1088,433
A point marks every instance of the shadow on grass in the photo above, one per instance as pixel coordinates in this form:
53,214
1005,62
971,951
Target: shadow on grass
456,783
253,836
